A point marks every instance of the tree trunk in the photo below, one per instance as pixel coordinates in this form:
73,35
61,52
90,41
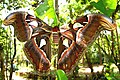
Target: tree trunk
2,63
118,48
56,8
89,62
116,56
11,69
99,52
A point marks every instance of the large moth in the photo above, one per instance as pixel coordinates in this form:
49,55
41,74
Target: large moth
79,38
83,38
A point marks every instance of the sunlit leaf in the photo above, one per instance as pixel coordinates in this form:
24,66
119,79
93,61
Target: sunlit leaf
43,7
105,6
46,9
61,75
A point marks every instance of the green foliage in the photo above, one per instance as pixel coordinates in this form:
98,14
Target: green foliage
70,10
105,6
61,75
46,10
14,4
4,37
112,76
67,12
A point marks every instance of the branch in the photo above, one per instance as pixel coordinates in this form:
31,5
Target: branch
116,10
108,56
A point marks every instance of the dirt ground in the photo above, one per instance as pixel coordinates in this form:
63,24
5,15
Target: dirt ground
18,75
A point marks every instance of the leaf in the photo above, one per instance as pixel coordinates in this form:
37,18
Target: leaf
46,9
43,7
105,6
61,75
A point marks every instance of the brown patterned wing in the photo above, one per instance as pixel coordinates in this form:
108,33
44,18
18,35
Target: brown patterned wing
22,29
36,56
84,38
